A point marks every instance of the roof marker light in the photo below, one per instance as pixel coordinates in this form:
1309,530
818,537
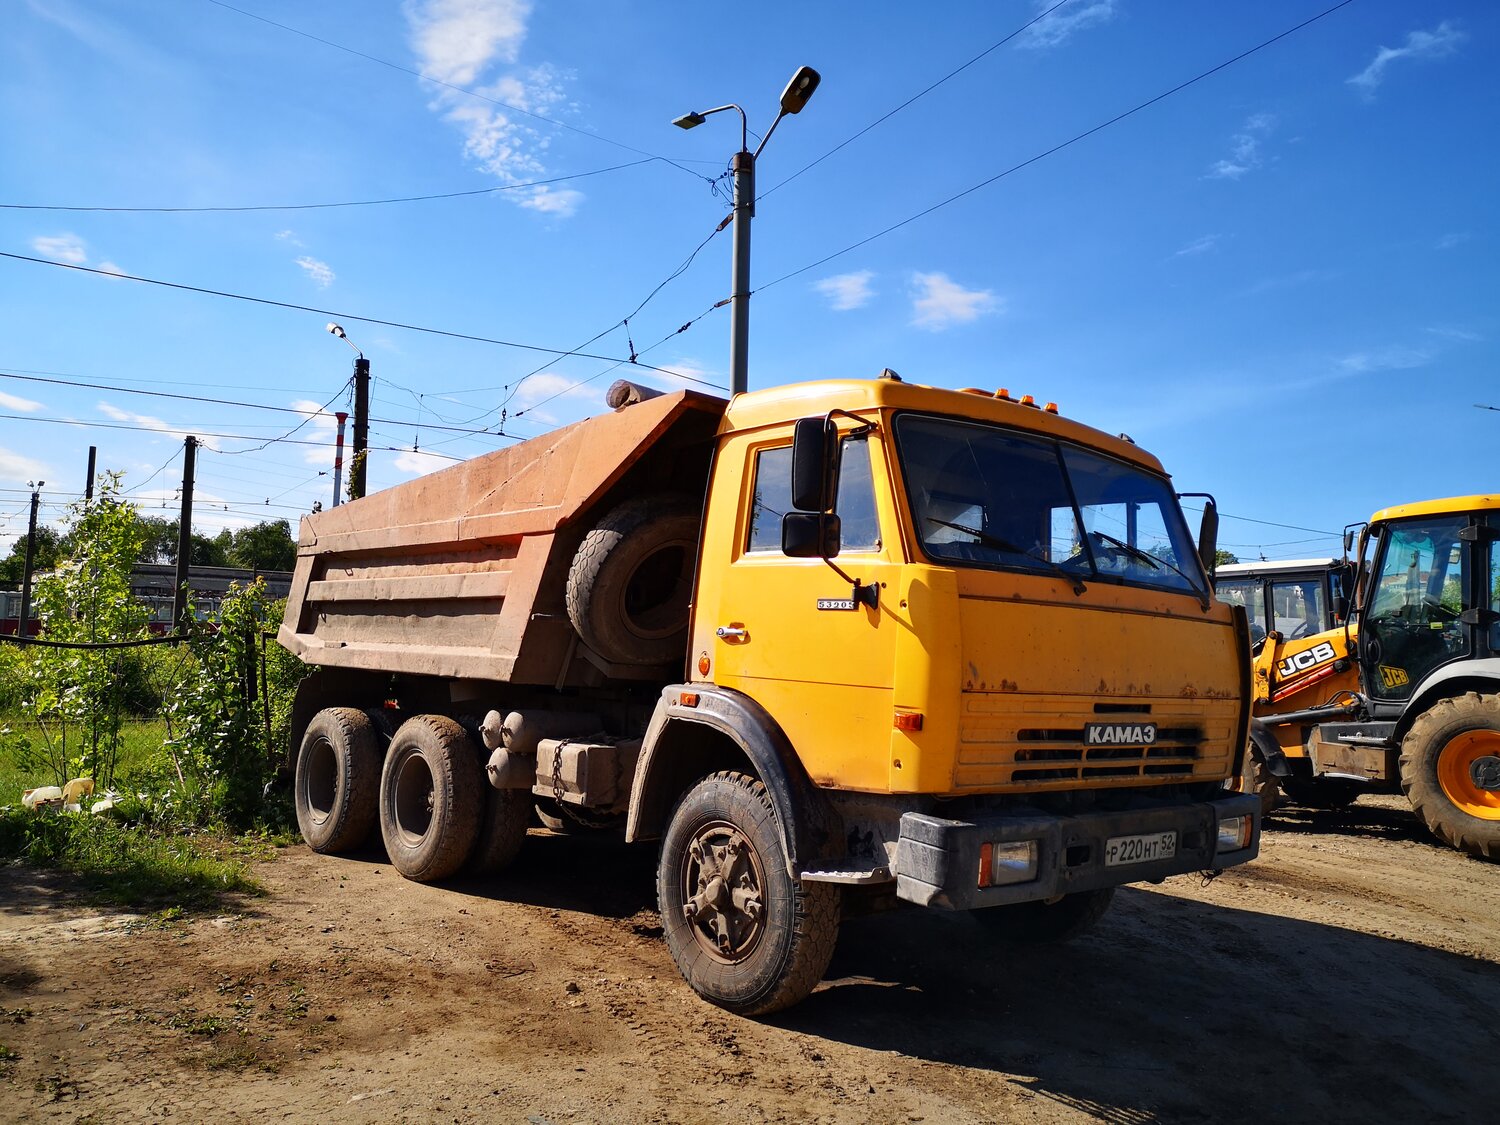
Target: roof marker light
1029,400
1051,408
1003,394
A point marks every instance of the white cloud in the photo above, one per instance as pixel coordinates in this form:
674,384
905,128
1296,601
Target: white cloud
322,276
289,237
418,463
1459,335
1245,153
148,422
12,402
322,426
459,42
1068,20
62,248
1199,246
689,374
17,466
1382,359
456,40
1456,238
939,303
110,267
545,397
1438,43
847,290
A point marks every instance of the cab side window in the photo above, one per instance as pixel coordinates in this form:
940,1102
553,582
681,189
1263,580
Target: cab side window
856,499
1495,593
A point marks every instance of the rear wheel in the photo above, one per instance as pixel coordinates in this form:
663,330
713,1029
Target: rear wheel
430,798
1044,923
337,780
502,832
744,934
1450,772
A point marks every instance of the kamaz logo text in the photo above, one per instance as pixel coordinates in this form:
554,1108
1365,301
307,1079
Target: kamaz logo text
1318,654
1119,734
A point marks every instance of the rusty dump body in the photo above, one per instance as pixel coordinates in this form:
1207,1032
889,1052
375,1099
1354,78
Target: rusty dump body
461,573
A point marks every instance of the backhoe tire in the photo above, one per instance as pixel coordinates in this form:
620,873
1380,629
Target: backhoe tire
430,798
1450,772
502,831
631,580
1257,779
1046,923
743,933
337,780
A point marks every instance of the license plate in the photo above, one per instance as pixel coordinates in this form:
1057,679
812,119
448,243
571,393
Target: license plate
1122,850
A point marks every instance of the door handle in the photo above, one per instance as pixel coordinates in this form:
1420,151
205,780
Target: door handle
733,634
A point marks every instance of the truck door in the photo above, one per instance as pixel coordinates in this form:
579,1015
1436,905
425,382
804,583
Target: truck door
786,631
1412,624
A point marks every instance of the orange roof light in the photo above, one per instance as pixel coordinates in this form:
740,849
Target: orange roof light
1003,394
1029,400
1051,408
907,720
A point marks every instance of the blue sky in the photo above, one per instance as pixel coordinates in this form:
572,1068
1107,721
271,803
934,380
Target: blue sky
1280,279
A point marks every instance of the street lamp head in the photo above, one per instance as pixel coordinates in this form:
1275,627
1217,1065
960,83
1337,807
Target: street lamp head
337,331
689,120
799,90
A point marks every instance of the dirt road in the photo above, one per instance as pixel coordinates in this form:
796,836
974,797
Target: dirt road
1352,973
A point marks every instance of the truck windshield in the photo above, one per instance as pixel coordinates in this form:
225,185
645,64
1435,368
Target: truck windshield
988,497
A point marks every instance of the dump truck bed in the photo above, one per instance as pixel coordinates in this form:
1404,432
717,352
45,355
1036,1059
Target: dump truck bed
461,573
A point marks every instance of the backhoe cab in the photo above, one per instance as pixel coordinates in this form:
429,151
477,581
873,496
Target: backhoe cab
1406,694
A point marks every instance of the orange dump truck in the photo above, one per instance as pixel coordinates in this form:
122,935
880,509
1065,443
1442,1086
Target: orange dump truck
837,645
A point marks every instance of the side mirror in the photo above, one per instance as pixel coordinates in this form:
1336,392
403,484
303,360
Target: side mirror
1348,540
810,535
814,464
1208,537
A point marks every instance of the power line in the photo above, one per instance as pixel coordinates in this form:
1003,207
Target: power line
175,432
456,89
322,206
1058,147
915,97
321,312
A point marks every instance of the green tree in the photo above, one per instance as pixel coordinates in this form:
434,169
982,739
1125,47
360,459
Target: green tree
13,566
1222,557
78,695
265,546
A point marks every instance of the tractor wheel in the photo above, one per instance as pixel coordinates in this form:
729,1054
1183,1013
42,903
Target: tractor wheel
337,780
631,580
1330,793
430,793
1046,923
1450,772
744,933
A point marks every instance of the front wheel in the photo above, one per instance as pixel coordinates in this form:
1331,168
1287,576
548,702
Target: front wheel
743,933
1045,923
1450,772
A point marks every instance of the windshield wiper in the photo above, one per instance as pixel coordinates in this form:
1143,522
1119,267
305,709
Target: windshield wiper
1154,562
984,538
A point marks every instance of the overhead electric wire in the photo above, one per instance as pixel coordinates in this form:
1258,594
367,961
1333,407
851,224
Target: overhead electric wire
321,206
176,432
310,309
1058,147
915,97
457,89
176,453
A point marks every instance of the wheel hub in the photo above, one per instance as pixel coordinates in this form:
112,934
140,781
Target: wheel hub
1468,770
725,909
1485,773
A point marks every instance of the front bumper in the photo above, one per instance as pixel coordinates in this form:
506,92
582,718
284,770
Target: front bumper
937,860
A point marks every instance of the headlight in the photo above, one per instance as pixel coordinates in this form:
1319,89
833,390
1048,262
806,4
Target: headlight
1234,833
1000,864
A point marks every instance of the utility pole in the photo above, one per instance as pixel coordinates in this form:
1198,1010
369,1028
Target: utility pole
184,533
24,624
88,483
338,458
361,427
361,418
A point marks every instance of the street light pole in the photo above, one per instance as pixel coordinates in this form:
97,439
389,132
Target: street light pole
793,98
24,623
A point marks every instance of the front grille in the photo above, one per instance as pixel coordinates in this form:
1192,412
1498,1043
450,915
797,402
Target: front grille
1006,742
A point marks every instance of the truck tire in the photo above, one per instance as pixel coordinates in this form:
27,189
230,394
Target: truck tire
1450,772
743,933
1044,923
631,581
430,798
337,780
502,832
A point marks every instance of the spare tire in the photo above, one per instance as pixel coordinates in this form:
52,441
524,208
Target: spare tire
631,581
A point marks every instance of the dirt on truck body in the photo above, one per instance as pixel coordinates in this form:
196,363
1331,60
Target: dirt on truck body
839,646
